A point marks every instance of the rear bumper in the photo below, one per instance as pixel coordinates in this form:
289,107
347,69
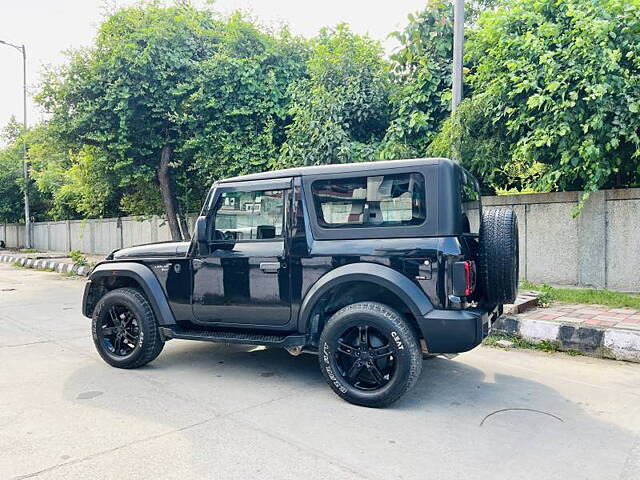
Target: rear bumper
456,331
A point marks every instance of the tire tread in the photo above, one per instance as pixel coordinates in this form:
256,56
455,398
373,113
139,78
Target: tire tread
152,343
406,332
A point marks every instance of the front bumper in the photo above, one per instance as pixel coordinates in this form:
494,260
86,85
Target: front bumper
456,331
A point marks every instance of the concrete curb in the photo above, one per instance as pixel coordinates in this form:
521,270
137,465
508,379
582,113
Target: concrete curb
611,343
42,264
526,300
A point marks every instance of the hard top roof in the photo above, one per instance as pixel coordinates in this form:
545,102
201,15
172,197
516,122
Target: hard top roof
337,168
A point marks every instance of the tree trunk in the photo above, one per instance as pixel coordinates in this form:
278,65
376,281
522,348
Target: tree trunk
166,190
185,227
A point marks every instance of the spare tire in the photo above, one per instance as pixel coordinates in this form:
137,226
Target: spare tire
498,270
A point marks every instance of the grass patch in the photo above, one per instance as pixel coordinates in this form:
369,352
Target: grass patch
28,250
18,265
518,342
608,298
69,274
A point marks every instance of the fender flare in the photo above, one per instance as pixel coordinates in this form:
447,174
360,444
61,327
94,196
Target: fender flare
413,297
144,277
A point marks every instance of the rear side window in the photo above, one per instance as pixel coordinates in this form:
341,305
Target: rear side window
470,202
374,201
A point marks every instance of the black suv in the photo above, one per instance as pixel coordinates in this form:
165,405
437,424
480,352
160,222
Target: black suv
369,265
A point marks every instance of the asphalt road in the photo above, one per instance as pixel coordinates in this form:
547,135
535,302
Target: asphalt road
226,412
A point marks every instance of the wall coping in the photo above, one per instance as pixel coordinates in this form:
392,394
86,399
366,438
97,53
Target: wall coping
558,197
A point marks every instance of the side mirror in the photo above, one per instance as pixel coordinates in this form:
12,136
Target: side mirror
201,235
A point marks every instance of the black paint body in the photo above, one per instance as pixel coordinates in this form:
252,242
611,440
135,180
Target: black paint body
278,285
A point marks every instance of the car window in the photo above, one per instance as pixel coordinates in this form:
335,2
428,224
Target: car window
470,201
255,215
377,200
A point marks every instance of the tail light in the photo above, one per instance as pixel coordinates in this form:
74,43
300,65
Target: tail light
464,278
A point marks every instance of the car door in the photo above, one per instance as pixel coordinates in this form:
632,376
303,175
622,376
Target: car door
243,279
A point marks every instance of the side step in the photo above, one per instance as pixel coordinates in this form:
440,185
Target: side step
228,336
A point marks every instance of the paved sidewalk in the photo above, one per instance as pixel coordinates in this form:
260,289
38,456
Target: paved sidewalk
590,329
624,318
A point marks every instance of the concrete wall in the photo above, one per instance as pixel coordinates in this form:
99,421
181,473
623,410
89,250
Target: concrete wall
97,236
600,248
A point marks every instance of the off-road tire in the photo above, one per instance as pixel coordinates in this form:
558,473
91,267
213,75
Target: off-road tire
403,342
498,269
150,343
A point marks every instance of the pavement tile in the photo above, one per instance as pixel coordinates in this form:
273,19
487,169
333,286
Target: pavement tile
608,318
592,321
615,315
570,319
590,311
631,326
606,323
569,308
623,311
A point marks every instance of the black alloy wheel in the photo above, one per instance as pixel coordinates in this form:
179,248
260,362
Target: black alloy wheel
119,331
364,357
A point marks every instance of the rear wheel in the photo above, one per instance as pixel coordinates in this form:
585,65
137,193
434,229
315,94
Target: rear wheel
369,354
124,329
498,273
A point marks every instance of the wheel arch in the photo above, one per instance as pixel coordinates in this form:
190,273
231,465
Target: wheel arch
365,281
109,276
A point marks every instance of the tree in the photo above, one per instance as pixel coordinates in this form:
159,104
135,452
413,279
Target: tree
340,110
11,182
239,107
561,87
422,74
168,100
422,67
127,96
12,176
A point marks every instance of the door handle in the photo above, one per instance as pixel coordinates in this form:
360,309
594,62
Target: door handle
270,267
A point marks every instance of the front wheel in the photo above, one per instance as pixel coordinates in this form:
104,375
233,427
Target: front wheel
369,354
124,329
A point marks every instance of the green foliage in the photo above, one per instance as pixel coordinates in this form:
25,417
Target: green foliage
546,296
605,297
421,101
482,147
422,74
11,179
79,260
340,111
239,108
211,91
120,102
561,88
